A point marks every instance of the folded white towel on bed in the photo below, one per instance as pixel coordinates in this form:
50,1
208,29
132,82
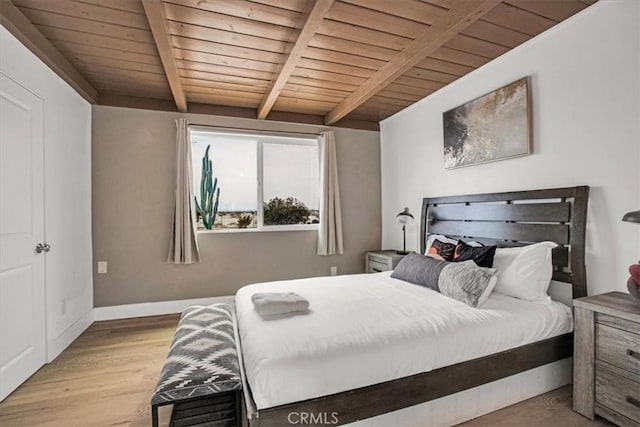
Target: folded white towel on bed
279,304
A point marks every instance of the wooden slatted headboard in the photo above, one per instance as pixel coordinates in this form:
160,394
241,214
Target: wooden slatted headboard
515,219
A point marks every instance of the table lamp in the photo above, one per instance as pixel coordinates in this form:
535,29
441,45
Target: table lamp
404,218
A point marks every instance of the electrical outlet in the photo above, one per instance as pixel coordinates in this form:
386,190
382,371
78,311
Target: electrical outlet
334,270
102,267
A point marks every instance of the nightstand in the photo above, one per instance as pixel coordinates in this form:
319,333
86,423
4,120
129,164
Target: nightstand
606,370
378,261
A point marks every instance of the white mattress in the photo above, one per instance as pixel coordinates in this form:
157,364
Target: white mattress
369,328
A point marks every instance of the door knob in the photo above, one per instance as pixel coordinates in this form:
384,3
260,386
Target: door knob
42,247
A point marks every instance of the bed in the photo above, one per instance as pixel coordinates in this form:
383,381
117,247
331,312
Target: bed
338,368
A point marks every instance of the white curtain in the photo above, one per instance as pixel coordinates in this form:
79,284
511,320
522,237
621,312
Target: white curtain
183,248
330,231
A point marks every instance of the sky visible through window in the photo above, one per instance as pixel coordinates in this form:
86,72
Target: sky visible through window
288,170
291,171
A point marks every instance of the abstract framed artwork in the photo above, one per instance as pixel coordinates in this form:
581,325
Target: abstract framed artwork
494,126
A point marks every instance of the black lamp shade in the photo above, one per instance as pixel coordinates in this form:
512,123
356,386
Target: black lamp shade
633,216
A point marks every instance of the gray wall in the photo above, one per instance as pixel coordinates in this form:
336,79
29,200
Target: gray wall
133,167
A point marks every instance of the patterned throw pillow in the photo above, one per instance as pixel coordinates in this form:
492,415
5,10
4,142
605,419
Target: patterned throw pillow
441,249
431,237
482,256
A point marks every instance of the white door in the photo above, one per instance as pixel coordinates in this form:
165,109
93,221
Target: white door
22,307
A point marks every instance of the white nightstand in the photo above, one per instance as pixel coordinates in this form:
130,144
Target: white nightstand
378,261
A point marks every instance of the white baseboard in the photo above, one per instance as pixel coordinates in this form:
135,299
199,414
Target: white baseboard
127,311
57,345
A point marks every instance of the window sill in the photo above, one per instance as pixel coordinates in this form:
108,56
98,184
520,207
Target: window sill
269,229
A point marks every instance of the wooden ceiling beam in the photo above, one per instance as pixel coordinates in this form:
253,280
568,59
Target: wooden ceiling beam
461,16
154,10
17,24
314,18
118,100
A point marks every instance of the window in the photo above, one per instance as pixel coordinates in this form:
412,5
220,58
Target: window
264,181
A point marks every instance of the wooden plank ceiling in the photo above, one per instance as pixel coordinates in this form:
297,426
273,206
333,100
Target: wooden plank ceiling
343,62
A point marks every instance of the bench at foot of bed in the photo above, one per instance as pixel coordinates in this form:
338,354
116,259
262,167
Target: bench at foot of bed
201,376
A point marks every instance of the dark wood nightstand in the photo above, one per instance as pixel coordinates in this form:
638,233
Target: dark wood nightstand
606,372
378,261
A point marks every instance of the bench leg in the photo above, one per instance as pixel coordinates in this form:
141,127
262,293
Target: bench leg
154,415
239,420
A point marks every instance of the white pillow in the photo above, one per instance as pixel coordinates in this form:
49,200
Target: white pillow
490,288
525,272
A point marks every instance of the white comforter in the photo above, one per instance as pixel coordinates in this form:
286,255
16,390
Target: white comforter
369,328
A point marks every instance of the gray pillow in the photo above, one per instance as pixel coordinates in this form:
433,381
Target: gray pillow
463,281
467,283
419,270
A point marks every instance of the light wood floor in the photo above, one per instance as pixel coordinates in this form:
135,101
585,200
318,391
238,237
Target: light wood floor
550,409
106,377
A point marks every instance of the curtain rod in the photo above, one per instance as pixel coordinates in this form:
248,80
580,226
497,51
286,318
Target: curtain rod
255,130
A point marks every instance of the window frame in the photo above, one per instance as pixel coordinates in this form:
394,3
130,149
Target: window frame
263,137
